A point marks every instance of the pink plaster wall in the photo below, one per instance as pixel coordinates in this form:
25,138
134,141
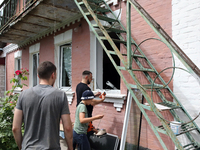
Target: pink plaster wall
10,69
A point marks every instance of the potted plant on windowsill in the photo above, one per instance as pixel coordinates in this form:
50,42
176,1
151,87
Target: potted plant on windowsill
7,105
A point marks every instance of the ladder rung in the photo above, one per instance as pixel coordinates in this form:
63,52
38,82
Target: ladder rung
96,1
186,131
188,145
155,86
191,144
98,8
114,40
138,56
161,130
110,29
106,18
123,68
158,106
80,3
144,70
170,104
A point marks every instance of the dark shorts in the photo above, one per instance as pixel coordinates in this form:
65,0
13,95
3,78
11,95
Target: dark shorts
81,141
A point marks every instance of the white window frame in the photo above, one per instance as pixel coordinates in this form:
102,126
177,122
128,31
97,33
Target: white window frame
59,40
17,56
62,39
60,68
34,49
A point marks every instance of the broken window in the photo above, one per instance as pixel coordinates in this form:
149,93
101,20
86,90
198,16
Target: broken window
65,66
35,66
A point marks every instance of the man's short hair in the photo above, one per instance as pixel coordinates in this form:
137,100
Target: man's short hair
46,69
86,72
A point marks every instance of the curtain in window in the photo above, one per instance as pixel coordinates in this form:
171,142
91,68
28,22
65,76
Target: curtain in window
35,65
66,66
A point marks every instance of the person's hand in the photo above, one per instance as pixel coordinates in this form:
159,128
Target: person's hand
95,130
103,97
97,94
99,116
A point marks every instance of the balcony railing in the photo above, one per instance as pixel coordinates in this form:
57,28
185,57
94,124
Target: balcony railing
11,9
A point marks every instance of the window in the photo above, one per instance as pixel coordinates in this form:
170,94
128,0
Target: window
65,66
104,71
109,77
18,66
35,66
63,63
18,56
18,63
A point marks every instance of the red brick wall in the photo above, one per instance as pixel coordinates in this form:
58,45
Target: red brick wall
47,49
80,53
10,63
25,63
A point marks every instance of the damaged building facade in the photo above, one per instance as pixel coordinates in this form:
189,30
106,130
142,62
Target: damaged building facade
56,31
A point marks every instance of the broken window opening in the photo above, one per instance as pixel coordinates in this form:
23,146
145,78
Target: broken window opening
107,75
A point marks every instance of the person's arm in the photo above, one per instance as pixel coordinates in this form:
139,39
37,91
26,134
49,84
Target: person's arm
16,128
67,126
87,120
95,102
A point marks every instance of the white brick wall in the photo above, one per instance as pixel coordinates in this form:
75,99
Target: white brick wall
186,33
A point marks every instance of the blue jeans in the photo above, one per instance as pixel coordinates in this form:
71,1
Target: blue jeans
81,140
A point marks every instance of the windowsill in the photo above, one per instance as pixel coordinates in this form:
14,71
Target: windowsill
70,95
112,96
17,90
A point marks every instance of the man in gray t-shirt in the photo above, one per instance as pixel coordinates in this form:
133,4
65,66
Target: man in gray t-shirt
41,108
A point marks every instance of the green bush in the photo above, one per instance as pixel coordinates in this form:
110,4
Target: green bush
7,105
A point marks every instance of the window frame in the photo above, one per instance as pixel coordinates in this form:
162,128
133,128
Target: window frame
18,57
61,65
96,66
34,49
37,59
59,40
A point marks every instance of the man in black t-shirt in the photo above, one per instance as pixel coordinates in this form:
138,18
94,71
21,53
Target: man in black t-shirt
83,86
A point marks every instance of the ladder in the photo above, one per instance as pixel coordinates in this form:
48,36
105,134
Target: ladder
154,83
